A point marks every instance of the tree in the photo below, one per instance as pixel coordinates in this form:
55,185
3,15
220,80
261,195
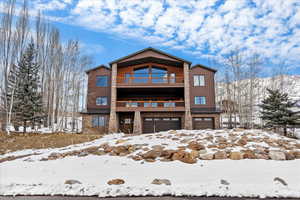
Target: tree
276,110
27,96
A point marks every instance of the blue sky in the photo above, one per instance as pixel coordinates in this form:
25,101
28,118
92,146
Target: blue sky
202,31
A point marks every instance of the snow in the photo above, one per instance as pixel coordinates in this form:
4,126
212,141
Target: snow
247,178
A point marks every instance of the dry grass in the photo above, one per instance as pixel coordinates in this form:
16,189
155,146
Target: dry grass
19,141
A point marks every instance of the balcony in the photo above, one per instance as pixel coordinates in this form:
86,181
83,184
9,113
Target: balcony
127,106
150,80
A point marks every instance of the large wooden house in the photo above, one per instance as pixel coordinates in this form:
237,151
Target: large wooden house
150,91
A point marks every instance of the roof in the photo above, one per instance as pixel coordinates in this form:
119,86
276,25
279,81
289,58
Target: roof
149,49
104,66
202,66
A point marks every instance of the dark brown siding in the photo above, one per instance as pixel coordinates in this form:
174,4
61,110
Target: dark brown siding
208,90
95,91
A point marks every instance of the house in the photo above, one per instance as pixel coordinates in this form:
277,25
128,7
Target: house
150,91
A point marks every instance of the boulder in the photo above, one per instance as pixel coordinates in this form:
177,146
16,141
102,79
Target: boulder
158,148
161,181
249,154
220,155
121,141
82,154
120,149
203,151
296,154
167,154
277,155
235,156
71,182
224,182
151,154
195,146
242,142
262,156
137,158
207,156
116,182
289,156
195,154
184,157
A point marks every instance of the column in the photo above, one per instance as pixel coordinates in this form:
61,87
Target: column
137,123
112,125
188,124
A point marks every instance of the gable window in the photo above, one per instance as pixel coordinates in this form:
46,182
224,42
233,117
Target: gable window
98,121
199,80
200,100
101,101
141,75
159,75
102,81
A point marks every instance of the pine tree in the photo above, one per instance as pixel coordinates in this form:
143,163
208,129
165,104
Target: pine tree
276,110
27,103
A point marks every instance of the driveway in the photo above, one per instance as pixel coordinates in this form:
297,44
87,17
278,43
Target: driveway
128,198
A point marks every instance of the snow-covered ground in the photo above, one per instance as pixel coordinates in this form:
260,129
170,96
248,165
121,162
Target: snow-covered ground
225,177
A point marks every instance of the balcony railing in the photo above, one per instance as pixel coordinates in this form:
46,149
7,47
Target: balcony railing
149,79
150,105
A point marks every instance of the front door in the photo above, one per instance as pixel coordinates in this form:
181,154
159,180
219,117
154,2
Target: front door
126,123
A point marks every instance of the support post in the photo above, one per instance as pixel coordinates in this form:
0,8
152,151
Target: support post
137,123
112,125
188,124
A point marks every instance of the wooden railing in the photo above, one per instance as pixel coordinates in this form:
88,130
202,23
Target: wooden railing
152,79
151,104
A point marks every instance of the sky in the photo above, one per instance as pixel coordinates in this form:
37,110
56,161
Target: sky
201,31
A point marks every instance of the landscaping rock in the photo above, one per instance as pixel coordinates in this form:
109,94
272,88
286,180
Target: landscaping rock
208,156
120,149
71,182
224,182
195,154
161,181
296,154
235,156
82,154
248,154
277,155
289,156
167,154
184,157
242,142
262,156
195,146
116,182
158,148
220,155
151,154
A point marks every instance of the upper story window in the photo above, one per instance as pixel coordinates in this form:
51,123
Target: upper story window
200,100
102,81
159,75
131,104
98,121
169,104
101,101
199,80
152,104
141,75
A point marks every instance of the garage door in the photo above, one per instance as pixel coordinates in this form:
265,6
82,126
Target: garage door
152,125
203,123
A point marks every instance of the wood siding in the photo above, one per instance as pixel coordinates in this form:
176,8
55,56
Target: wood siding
94,91
208,90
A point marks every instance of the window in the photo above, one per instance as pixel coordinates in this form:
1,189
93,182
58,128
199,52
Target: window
169,104
101,101
127,121
172,78
159,75
101,81
127,77
150,104
131,104
199,80
141,75
98,121
200,100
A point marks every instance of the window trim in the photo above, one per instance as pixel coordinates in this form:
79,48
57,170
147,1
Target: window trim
200,100
106,84
100,98
199,75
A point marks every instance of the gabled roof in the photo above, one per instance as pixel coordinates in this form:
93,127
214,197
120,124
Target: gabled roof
150,49
202,66
104,66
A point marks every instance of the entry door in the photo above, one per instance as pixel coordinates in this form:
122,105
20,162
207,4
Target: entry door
126,124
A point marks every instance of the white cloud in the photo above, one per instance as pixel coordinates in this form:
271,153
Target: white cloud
270,28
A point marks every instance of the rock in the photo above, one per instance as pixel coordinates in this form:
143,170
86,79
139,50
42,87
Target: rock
116,182
71,182
172,132
167,154
195,146
280,180
289,156
151,154
224,182
184,157
53,156
277,155
220,155
242,142
262,156
297,145
120,149
203,151
150,160
235,156
82,154
158,148
137,158
99,153
208,156
296,154
121,141
195,154
161,181
107,149
248,154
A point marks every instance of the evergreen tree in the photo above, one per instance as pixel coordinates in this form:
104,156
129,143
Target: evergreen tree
27,98
276,110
